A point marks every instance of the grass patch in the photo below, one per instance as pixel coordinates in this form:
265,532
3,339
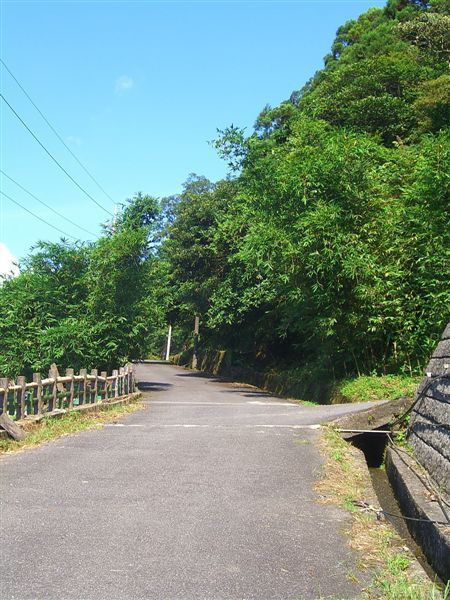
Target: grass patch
303,402
375,387
54,427
381,550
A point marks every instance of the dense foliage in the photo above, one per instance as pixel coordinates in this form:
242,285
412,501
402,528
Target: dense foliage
326,249
85,305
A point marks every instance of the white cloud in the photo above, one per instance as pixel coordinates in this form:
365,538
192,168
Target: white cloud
73,140
124,83
7,261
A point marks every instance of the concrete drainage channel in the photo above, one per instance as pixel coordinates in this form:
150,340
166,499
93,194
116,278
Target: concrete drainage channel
402,488
374,447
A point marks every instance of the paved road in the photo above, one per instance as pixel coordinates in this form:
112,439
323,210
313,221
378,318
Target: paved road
207,494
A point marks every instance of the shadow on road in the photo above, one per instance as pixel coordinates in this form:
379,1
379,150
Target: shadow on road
193,374
238,390
153,386
245,392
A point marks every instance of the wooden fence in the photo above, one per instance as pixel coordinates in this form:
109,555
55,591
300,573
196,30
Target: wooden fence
20,399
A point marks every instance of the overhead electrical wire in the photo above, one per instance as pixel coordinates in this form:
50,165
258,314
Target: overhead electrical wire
52,157
55,131
37,216
46,205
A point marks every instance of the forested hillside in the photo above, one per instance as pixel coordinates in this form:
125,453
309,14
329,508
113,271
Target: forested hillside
328,247
325,251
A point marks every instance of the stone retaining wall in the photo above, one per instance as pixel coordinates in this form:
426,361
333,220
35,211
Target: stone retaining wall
429,430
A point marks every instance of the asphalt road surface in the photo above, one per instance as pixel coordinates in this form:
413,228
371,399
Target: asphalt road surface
206,494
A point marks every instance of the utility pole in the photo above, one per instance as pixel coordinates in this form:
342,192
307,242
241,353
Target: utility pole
169,338
196,329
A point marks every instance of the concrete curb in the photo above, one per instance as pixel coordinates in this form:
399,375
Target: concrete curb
375,417
414,500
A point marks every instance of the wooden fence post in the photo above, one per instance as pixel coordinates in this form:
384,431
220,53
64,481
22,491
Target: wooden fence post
53,374
4,394
21,397
94,373
115,383
130,375
82,396
104,386
121,381
127,379
132,390
70,373
14,406
37,394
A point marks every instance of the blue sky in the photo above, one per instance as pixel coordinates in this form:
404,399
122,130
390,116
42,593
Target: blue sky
136,89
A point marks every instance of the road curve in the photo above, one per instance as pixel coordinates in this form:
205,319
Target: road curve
207,494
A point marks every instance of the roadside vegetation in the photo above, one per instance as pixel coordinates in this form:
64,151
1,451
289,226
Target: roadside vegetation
50,428
376,387
85,305
382,554
323,254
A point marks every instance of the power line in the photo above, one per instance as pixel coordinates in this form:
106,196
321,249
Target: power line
37,216
47,205
55,132
52,157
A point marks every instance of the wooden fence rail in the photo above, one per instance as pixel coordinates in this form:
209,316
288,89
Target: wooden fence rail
20,399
